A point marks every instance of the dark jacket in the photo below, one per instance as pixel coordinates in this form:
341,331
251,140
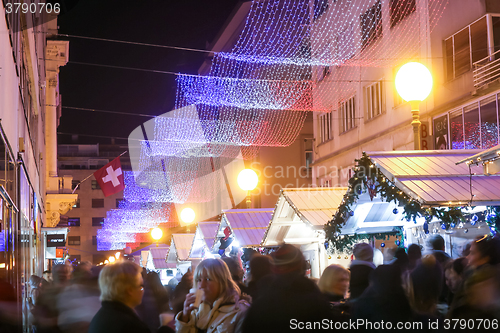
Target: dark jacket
116,317
360,279
286,297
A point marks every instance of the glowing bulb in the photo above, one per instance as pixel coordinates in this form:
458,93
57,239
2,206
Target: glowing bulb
106,262
187,215
414,82
247,179
117,255
111,259
156,233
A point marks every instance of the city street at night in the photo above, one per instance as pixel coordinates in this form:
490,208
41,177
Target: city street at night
241,166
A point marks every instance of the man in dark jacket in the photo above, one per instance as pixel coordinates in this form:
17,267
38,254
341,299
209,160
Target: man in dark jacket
289,298
361,268
437,244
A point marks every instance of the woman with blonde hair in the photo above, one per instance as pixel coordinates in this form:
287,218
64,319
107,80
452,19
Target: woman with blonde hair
122,288
220,310
334,282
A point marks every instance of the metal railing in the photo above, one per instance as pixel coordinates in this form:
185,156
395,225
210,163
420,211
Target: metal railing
487,70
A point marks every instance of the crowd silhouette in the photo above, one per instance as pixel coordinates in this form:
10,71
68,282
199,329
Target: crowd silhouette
415,289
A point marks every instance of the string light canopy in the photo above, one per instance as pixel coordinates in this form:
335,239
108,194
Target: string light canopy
287,44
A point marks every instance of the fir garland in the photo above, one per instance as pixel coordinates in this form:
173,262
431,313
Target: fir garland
368,177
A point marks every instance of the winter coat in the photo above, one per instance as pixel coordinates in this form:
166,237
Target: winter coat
221,318
116,317
360,277
284,298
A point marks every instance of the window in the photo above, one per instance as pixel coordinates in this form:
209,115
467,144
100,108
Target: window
441,133
95,185
473,126
308,149
466,47
94,240
371,24
118,202
97,221
325,127
97,203
73,222
74,183
374,99
73,240
401,9
77,204
347,114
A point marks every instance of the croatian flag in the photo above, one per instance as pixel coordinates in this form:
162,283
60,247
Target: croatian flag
110,177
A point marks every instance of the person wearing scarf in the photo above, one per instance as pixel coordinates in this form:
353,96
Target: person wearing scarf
221,310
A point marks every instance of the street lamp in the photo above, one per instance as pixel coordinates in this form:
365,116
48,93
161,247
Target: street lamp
247,181
156,233
414,84
187,216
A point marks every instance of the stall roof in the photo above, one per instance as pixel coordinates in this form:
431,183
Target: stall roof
159,255
181,243
248,225
209,231
301,213
434,178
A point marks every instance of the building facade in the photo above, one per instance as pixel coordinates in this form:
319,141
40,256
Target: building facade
87,216
462,110
29,112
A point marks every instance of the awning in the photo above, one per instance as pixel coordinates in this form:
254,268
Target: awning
301,213
209,232
204,239
159,256
434,178
179,248
246,225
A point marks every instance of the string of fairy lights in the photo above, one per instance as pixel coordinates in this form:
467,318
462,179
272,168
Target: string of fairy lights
291,57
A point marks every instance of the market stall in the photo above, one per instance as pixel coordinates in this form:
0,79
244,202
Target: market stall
178,253
430,193
299,218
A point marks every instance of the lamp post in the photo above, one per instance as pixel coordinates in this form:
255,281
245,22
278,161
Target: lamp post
414,84
187,216
156,233
247,181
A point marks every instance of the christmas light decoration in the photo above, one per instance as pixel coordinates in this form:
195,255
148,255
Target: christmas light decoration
281,42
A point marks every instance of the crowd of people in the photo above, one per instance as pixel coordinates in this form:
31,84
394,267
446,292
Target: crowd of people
431,290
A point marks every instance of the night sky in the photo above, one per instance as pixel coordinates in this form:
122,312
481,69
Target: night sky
184,23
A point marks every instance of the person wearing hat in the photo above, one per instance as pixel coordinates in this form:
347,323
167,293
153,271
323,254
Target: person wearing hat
360,268
288,296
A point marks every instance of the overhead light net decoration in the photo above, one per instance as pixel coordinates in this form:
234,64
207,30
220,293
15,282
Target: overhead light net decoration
287,47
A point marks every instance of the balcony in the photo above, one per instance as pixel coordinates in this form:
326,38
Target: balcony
486,70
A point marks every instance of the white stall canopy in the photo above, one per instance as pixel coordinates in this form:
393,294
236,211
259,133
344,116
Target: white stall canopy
433,177
204,239
247,226
301,213
178,253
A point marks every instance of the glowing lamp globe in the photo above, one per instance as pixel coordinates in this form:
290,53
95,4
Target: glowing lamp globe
413,82
187,215
111,259
156,233
247,180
